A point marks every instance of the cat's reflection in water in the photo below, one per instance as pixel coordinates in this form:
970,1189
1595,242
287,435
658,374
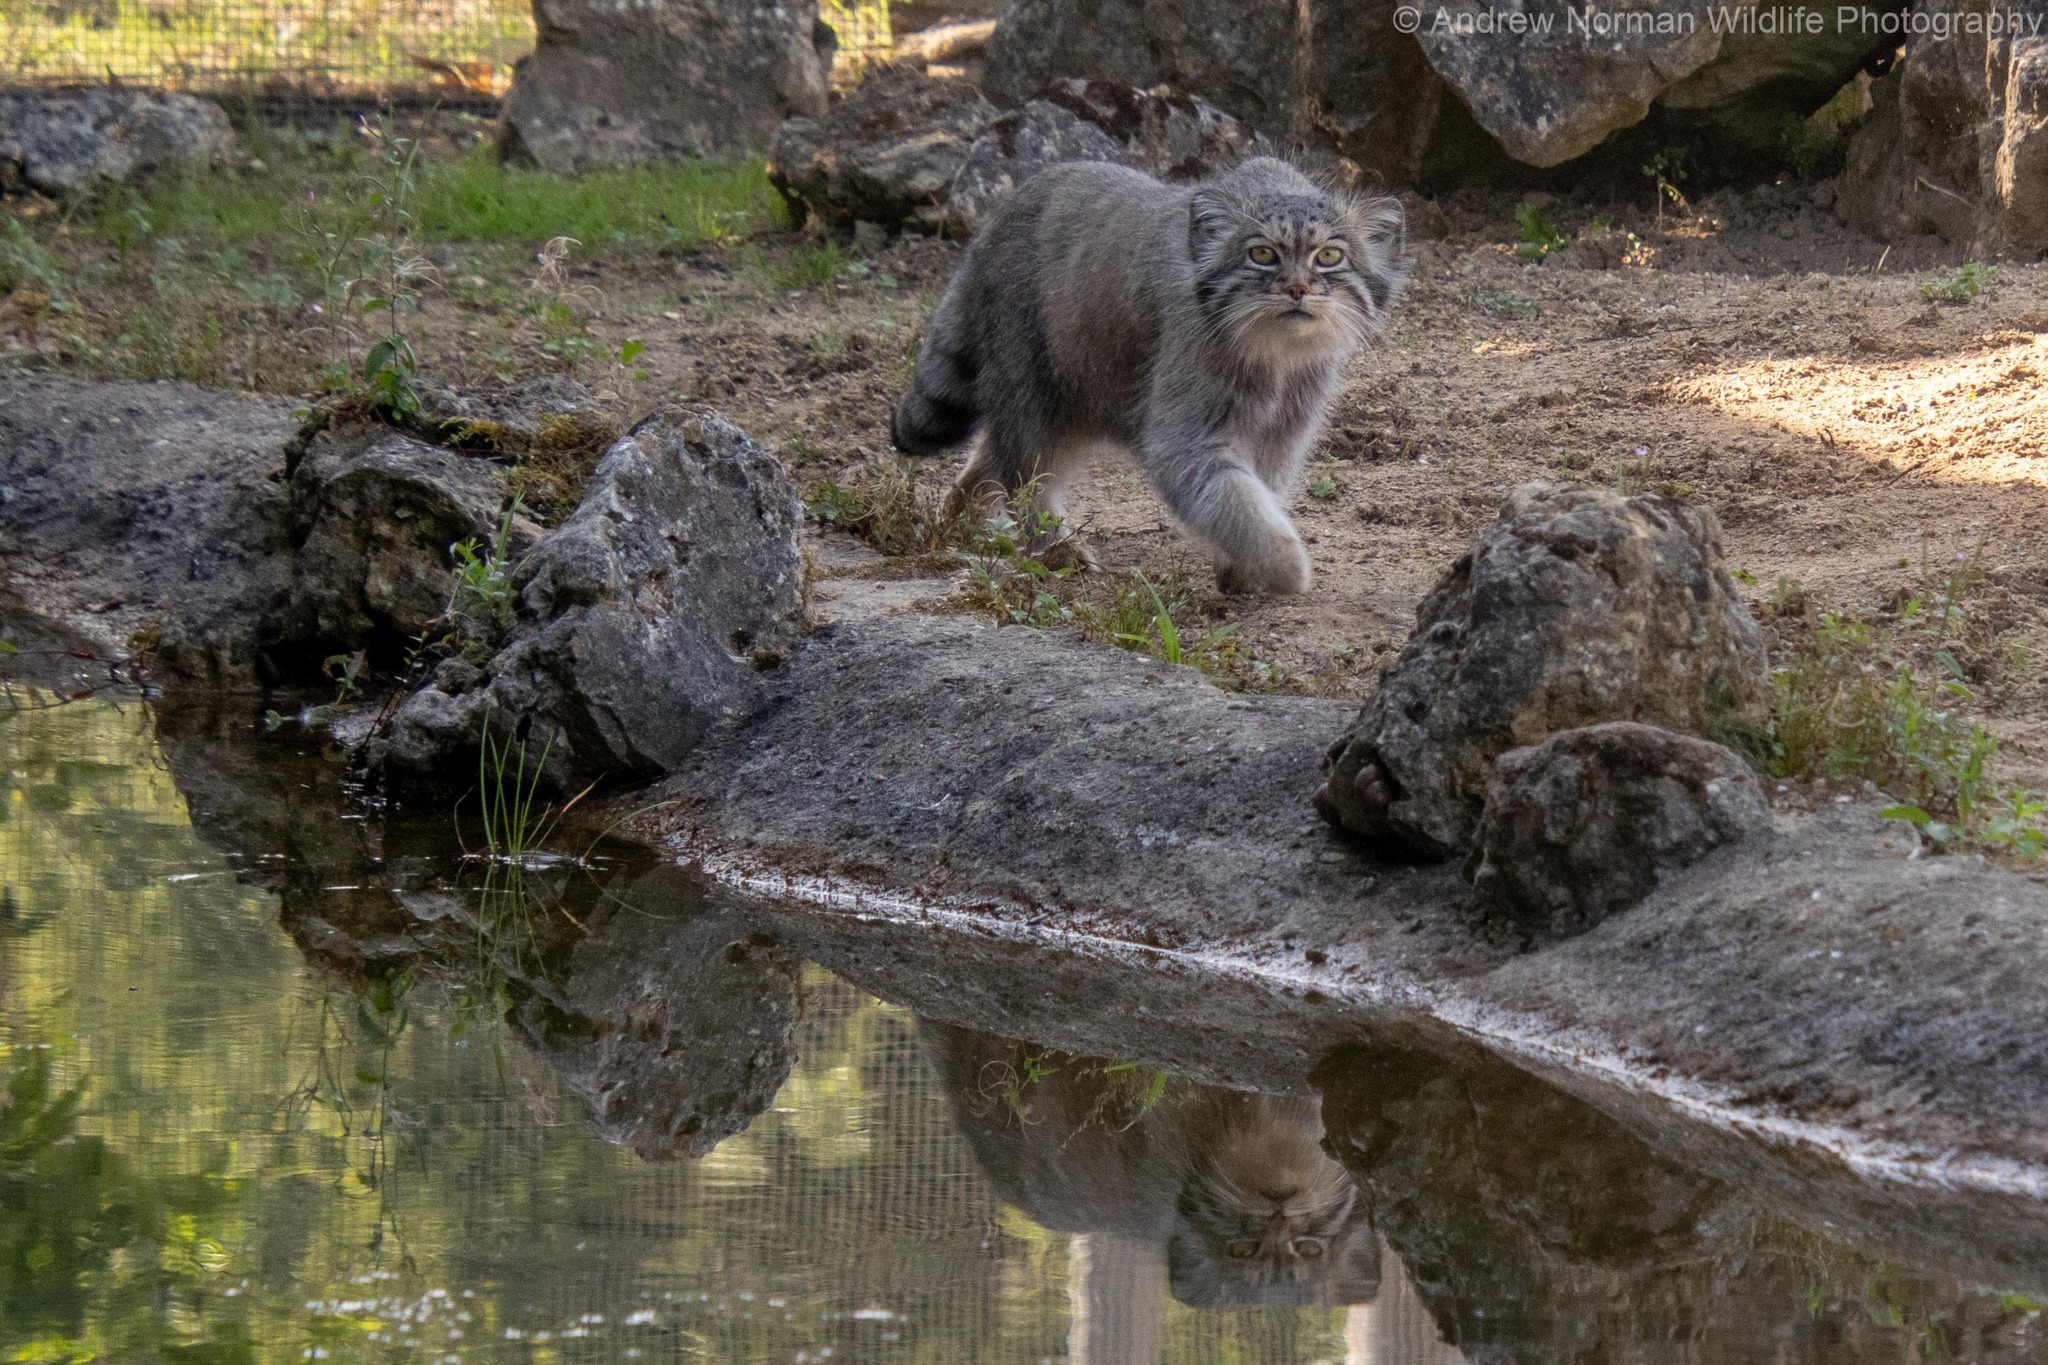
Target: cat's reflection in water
1231,1192
1263,1214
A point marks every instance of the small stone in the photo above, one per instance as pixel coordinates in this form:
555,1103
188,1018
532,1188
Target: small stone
1585,824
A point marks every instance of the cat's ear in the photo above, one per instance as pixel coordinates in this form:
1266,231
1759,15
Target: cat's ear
1210,214
1377,222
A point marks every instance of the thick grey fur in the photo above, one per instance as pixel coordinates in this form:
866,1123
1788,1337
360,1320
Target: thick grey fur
1189,324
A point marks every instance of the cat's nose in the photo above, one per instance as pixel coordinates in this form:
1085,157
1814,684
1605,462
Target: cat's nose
1295,289
1279,1194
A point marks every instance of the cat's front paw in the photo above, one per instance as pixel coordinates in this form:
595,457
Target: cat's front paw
1280,573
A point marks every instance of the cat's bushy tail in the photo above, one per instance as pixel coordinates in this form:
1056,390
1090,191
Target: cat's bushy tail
940,411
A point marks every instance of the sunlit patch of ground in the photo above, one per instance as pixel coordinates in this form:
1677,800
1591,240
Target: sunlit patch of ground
1976,417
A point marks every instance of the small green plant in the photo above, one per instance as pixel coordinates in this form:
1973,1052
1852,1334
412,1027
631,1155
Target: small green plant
480,609
1159,637
507,787
1134,1087
360,246
1323,489
1851,705
2016,830
1033,1068
1812,147
392,370
347,670
1965,284
1668,170
1847,708
1506,304
27,263
626,374
1127,610
1539,233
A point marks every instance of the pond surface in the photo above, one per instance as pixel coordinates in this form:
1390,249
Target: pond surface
287,1080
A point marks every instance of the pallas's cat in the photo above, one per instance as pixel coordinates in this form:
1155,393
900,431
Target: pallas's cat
1203,328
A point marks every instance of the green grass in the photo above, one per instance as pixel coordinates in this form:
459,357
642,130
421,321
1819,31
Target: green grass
478,200
1884,704
471,200
1540,235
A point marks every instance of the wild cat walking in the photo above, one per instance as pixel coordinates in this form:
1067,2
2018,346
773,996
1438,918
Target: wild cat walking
1202,328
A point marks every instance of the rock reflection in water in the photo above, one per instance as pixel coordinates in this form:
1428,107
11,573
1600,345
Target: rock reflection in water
1538,1230
665,1014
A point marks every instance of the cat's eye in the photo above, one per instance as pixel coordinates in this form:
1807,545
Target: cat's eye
1244,1249
1308,1248
1329,256
1261,254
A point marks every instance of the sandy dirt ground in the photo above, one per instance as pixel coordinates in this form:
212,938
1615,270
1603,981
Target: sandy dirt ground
1855,437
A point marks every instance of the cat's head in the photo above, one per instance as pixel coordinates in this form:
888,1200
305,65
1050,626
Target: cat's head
1290,272
1267,1217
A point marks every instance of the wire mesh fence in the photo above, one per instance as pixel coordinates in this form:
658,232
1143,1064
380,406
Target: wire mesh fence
352,52
459,50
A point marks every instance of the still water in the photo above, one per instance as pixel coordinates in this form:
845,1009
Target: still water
288,1081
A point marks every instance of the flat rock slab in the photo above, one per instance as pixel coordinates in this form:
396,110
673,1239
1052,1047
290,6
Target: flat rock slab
1815,984
957,763
130,510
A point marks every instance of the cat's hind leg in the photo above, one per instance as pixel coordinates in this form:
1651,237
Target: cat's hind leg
1051,539
1030,477
1221,501
980,488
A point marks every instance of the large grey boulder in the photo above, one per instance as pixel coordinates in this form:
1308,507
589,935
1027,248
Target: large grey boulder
1555,87
907,151
1577,606
1759,80
63,141
610,84
374,513
643,620
1331,73
1586,823
1957,142
147,518
885,154
1159,131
